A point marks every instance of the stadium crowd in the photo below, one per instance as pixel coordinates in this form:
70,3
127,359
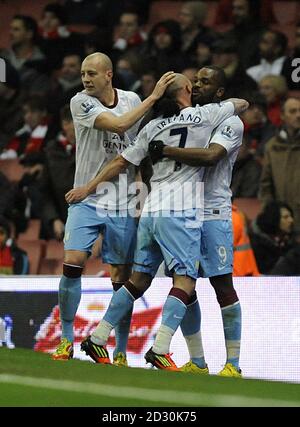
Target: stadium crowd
43,60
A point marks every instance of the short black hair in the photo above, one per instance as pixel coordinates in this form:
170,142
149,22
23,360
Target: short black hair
281,39
269,219
58,10
220,74
65,113
29,23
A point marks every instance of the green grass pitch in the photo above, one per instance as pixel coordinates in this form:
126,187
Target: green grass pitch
31,379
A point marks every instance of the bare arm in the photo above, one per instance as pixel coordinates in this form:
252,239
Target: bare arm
120,124
112,169
196,156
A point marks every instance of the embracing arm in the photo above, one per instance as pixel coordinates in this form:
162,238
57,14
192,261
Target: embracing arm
120,124
196,156
111,170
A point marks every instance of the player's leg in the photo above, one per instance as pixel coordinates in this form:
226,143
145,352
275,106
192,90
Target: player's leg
80,233
232,321
119,276
181,250
122,300
217,263
118,251
191,330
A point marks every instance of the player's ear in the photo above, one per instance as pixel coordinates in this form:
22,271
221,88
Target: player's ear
109,74
220,92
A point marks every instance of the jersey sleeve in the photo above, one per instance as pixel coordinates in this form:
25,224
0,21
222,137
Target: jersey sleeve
135,101
216,113
85,110
138,149
229,134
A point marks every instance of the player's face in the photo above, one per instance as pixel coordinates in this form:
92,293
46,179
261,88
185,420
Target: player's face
286,220
95,78
205,87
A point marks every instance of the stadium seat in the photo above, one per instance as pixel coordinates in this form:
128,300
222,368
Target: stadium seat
286,12
162,10
50,267
12,169
294,93
94,267
35,252
33,230
289,30
54,250
81,28
250,207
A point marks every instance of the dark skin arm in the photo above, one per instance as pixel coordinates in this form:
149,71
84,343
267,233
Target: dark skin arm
196,156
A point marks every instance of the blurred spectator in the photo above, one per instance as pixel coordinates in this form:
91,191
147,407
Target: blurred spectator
11,101
246,172
257,128
99,40
190,73
30,183
13,260
225,55
56,39
191,18
272,235
6,196
147,84
161,51
288,264
65,84
280,177
126,71
25,56
244,263
272,49
30,138
224,13
12,204
203,54
83,11
288,67
110,12
57,177
275,90
247,29
129,34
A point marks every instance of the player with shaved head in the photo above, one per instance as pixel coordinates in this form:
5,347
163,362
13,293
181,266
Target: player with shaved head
105,121
170,224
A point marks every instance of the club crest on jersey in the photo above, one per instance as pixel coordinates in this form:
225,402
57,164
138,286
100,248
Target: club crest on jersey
87,106
227,131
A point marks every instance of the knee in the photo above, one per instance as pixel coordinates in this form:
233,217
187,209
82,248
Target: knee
75,258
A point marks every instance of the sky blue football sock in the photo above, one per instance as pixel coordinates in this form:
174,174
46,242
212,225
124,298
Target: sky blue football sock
120,304
69,295
232,322
173,313
190,327
122,330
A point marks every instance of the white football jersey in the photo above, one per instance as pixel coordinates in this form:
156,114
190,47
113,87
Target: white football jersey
95,148
176,186
217,179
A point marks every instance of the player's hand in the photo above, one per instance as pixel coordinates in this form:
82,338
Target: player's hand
76,195
162,84
156,150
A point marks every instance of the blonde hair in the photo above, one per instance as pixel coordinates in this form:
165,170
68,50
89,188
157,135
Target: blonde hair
278,83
